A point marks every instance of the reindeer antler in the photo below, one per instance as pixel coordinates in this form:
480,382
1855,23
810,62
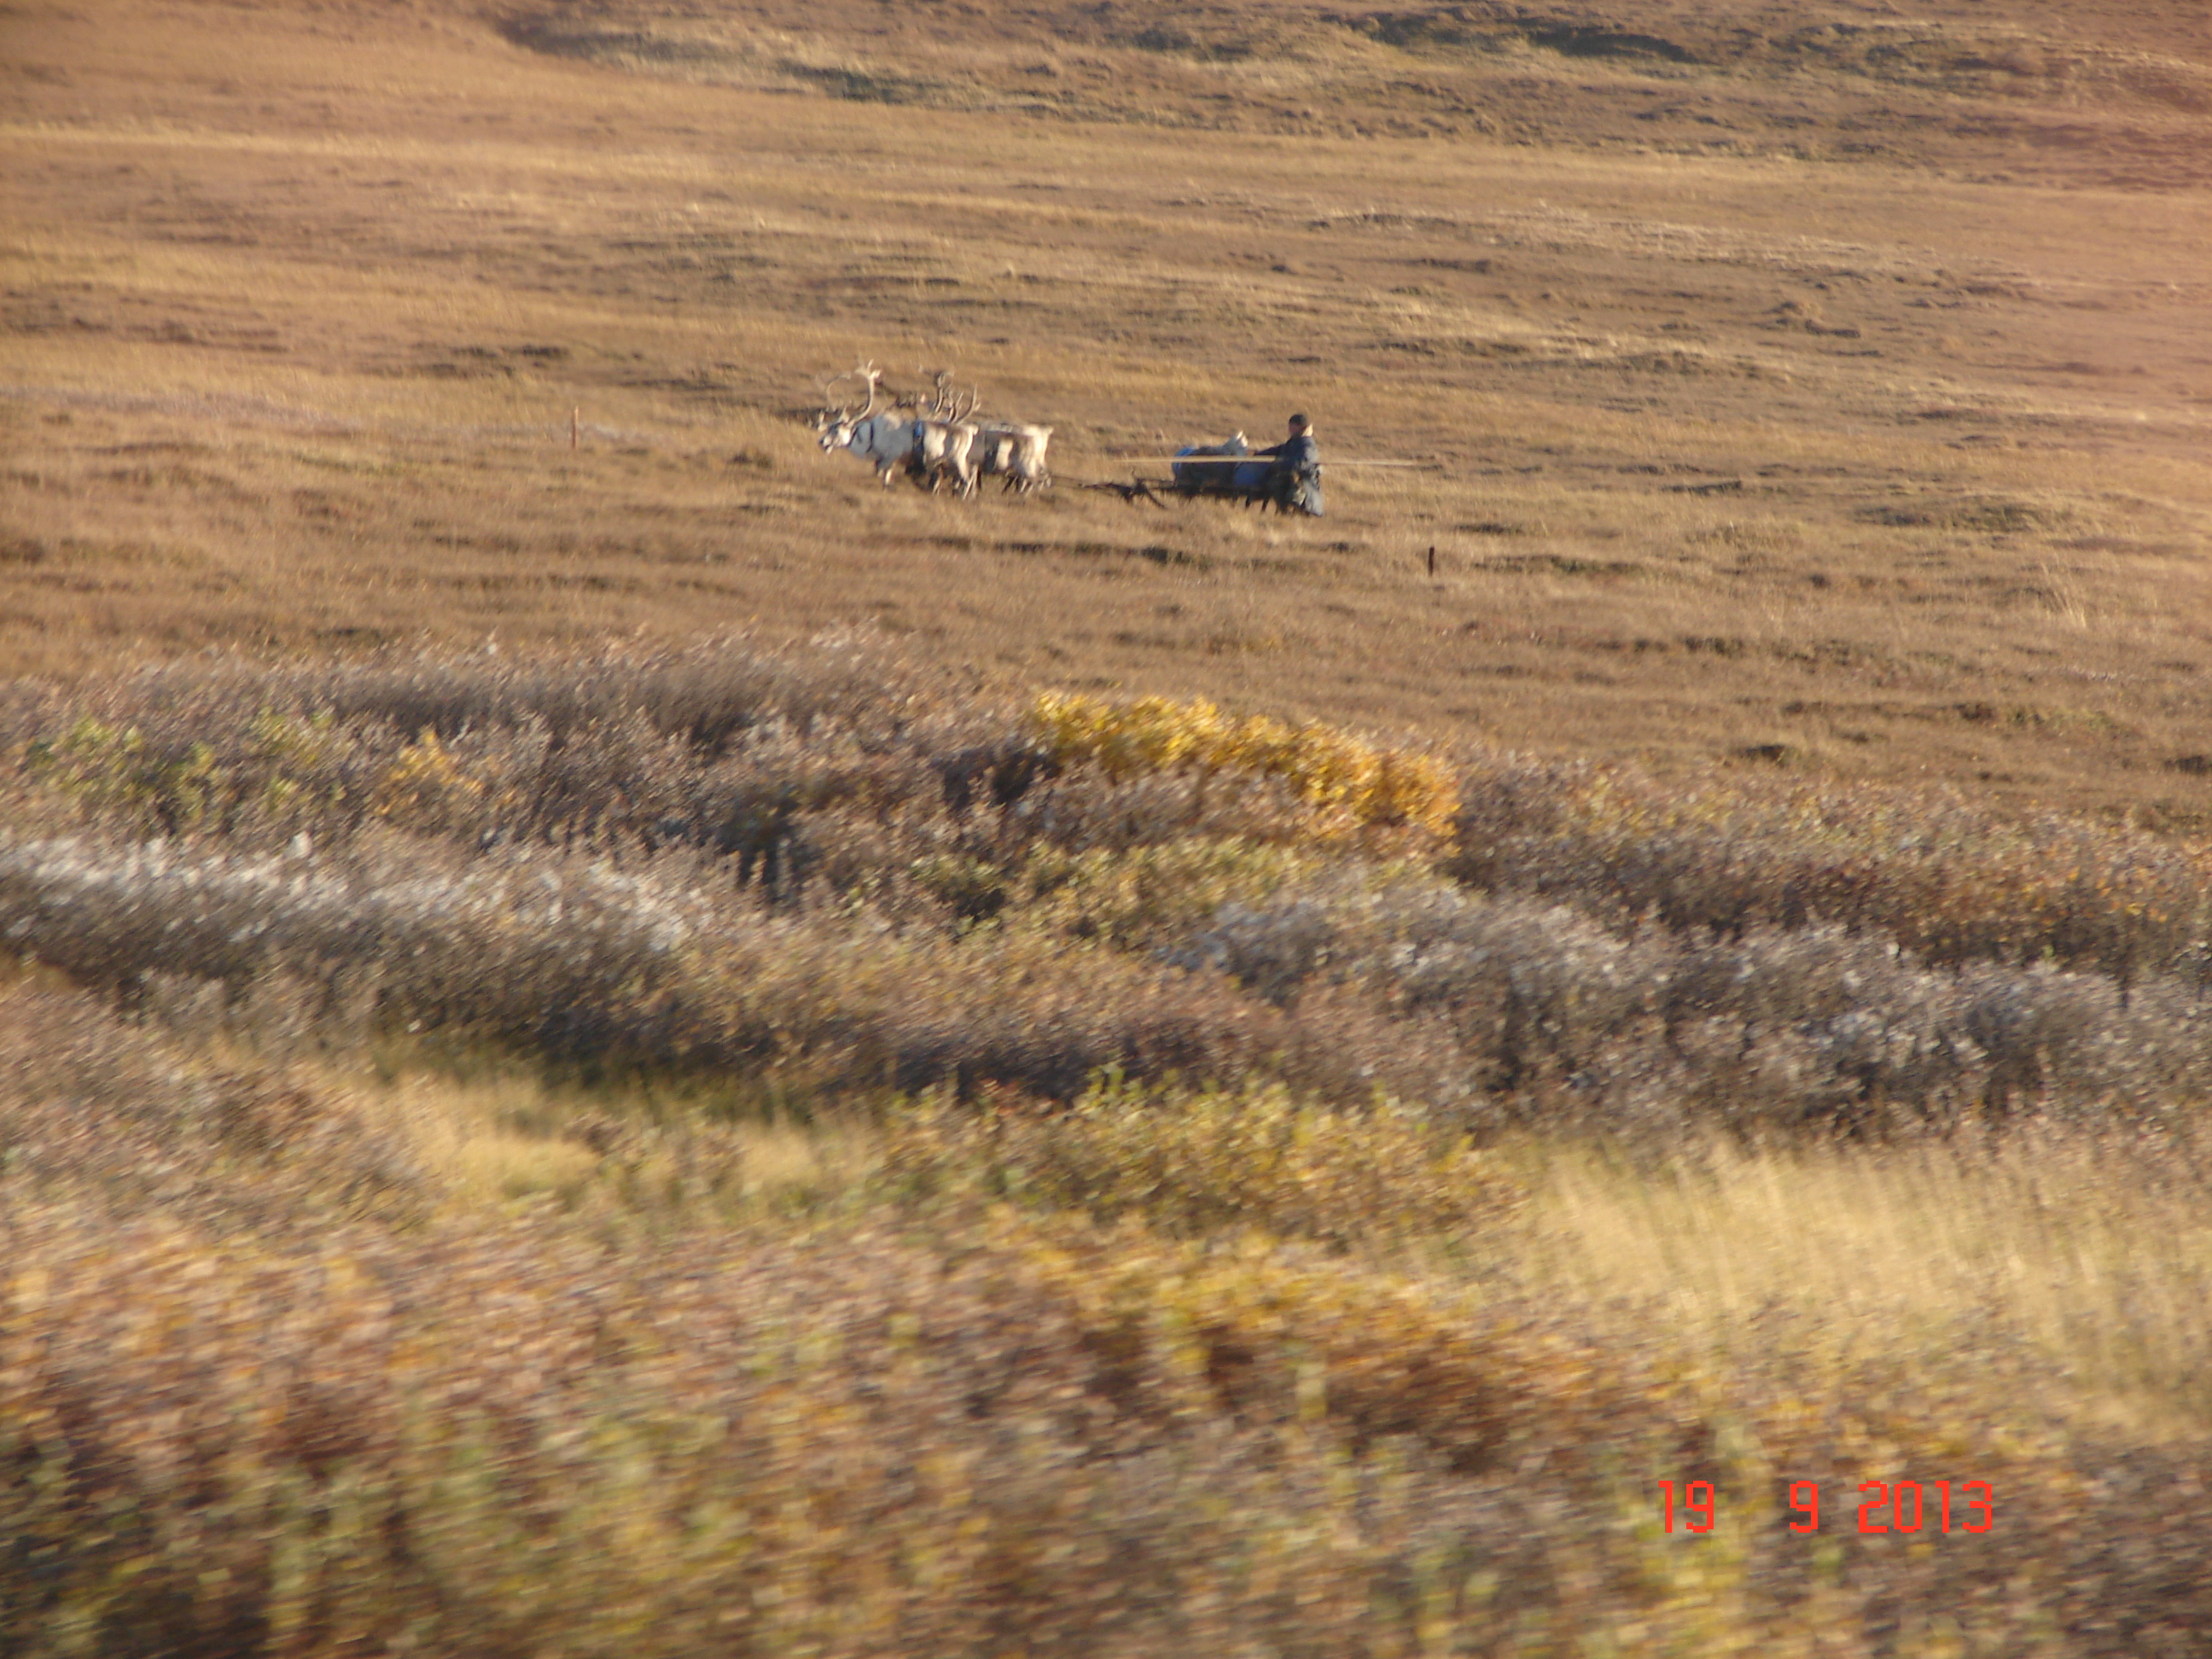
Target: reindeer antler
867,371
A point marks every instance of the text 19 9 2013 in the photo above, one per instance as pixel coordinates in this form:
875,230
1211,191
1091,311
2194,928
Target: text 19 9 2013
1908,1506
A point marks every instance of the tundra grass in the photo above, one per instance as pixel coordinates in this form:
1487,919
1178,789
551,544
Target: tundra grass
616,1040
1849,456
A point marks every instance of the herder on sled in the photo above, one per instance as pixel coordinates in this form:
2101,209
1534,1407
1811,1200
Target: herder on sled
1286,476
1294,477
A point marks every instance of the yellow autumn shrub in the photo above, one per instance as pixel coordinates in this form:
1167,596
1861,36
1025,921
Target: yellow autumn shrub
1349,783
428,787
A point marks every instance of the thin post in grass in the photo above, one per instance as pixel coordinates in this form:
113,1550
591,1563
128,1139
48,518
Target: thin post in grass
576,416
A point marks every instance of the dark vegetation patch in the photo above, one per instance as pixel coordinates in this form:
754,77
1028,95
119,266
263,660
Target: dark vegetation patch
1153,553
1991,514
866,87
1561,564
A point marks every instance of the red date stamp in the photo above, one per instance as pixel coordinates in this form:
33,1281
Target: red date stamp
1908,1506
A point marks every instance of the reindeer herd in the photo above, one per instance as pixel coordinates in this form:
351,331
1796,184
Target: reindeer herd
933,437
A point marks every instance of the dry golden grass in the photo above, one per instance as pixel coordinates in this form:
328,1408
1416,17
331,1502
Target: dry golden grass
2094,1250
2092,1254
290,369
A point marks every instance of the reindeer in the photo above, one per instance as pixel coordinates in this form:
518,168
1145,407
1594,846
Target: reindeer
1014,453
934,435
886,441
945,437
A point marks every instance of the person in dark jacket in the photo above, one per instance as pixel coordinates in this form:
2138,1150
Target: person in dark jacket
1294,470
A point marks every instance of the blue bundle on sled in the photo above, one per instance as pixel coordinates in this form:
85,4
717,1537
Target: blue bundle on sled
1225,473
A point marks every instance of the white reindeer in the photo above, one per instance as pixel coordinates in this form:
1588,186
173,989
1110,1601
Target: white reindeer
886,441
1014,453
945,438
936,437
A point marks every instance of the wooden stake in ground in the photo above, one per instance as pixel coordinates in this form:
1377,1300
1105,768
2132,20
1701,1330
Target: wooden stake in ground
575,414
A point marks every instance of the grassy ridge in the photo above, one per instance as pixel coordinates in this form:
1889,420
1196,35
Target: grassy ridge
1199,1208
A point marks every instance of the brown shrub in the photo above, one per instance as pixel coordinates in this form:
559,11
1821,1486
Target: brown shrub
495,1445
1948,881
108,1117
727,859
496,1440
